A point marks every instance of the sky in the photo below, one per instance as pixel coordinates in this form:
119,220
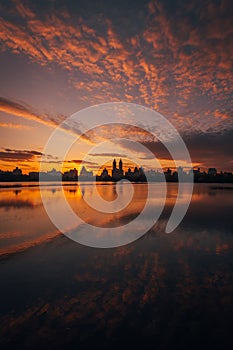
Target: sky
59,57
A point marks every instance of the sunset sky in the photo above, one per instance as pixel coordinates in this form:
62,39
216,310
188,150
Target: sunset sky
58,57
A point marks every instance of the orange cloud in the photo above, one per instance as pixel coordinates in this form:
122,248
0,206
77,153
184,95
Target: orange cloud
14,126
17,109
10,107
168,65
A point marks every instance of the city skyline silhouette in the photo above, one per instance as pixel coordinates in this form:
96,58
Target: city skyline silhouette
117,172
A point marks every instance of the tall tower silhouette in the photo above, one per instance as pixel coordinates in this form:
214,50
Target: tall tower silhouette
120,165
117,174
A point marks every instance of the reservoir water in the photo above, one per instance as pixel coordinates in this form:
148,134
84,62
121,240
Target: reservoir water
162,291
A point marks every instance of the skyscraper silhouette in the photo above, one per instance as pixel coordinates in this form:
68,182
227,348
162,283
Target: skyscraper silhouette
120,165
117,174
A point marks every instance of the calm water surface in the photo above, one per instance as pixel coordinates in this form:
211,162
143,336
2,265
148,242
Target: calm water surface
162,291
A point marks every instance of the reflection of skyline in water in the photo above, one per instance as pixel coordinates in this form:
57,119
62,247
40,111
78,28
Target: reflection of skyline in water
170,290
24,212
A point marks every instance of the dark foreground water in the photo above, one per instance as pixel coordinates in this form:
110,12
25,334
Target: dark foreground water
162,291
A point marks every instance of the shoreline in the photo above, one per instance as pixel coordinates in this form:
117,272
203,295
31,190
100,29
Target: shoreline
24,184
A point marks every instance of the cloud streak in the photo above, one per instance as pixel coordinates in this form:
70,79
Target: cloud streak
26,112
19,110
13,155
14,126
207,150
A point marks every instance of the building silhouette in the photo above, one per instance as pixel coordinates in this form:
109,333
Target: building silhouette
136,175
71,175
117,173
85,175
17,172
212,172
104,176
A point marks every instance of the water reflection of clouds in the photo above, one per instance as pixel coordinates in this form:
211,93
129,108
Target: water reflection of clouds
23,219
6,204
24,223
156,276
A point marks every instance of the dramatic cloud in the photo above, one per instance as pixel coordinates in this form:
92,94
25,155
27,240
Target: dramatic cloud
209,150
108,155
80,161
13,155
212,149
114,131
14,126
175,57
17,109
179,64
